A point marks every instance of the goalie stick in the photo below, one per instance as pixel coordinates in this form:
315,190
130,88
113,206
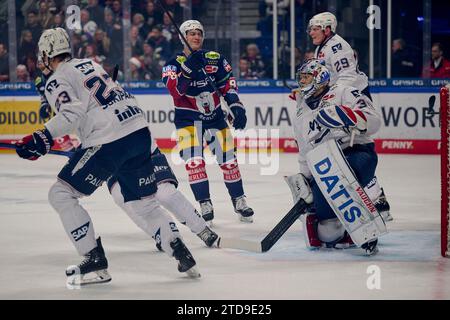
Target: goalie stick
272,237
57,152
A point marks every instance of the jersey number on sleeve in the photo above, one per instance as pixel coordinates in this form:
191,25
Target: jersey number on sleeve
341,64
99,85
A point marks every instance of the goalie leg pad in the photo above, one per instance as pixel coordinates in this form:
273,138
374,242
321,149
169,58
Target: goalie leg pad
344,194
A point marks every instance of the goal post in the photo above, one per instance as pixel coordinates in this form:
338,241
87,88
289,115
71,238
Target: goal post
445,170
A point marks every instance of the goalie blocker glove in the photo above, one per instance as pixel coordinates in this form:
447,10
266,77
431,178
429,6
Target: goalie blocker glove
33,146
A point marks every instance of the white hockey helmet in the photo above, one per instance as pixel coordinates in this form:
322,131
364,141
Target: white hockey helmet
321,77
53,42
189,25
323,20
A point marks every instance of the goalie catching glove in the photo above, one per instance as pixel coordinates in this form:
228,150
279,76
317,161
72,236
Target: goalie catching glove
35,145
300,188
342,117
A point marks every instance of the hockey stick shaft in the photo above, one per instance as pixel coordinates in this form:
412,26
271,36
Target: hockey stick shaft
277,232
272,237
115,72
56,152
208,79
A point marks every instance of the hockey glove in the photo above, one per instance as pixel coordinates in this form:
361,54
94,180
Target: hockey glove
300,188
33,146
342,117
294,94
192,67
240,119
39,83
45,111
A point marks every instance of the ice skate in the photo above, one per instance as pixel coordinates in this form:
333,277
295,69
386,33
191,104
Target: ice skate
242,209
383,207
208,236
207,210
186,262
370,247
345,243
93,269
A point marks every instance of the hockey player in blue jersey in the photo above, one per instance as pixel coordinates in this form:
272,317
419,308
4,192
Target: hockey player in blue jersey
199,117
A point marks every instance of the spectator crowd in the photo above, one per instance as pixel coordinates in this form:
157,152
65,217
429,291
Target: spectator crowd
153,39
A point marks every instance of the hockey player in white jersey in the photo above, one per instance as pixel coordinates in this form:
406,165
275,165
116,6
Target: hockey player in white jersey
167,193
169,197
342,64
331,113
115,141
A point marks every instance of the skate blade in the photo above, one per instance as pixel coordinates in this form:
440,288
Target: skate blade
100,276
246,219
193,273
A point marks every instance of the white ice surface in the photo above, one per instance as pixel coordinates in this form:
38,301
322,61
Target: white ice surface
35,249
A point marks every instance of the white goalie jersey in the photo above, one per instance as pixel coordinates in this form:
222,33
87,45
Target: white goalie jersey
340,60
90,104
309,133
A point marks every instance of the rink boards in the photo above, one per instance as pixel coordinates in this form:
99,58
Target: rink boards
407,126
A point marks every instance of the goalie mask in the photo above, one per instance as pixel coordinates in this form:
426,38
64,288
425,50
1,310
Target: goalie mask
318,79
52,43
189,25
323,20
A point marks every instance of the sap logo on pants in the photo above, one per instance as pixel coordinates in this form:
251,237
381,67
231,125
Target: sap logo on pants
336,190
146,181
93,180
81,232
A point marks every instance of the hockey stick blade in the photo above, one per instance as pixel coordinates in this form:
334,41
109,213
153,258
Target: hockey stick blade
57,152
272,237
240,244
